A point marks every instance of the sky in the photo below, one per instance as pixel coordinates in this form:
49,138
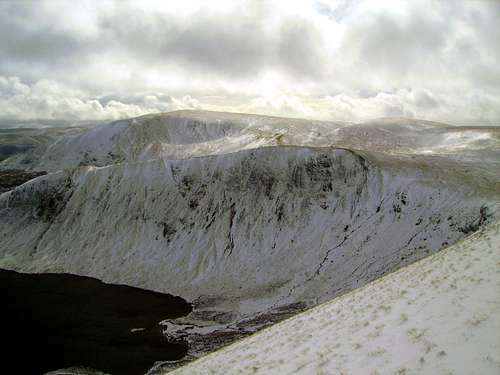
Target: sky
346,60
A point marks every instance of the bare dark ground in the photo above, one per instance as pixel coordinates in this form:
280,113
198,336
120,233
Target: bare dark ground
10,178
53,321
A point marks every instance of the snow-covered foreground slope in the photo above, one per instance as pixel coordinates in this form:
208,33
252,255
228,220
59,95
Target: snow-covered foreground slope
437,316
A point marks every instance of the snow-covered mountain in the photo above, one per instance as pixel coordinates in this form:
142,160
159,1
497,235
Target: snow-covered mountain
174,135
186,134
249,217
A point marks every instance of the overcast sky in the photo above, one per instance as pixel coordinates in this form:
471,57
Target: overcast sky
330,59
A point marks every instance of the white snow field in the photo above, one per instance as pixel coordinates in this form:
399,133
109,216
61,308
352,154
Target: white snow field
250,218
440,315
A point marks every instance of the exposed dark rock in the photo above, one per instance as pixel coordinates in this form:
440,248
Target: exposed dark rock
168,230
478,222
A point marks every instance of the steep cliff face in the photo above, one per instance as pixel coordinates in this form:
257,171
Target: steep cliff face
248,231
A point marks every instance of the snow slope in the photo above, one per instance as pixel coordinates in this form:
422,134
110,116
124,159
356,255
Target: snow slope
437,316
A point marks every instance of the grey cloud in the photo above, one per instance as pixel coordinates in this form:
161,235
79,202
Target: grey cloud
12,86
425,100
366,93
231,45
393,111
30,43
395,46
300,49
435,43
235,45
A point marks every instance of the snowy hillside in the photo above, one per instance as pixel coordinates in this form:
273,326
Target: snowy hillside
174,135
185,134
251,218
24,146
438,316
